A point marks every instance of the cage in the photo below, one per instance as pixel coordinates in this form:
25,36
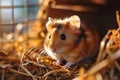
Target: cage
13,12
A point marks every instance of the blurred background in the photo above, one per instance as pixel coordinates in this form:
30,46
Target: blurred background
12,13
22,20
16,11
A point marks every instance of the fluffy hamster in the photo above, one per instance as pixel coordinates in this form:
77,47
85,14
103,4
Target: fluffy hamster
68,40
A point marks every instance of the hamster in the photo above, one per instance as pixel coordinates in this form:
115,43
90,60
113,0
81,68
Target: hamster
68,40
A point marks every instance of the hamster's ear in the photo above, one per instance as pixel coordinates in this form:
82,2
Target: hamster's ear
49,23
75,21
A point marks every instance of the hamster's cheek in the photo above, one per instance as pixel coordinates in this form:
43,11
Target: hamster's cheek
68,45
64,48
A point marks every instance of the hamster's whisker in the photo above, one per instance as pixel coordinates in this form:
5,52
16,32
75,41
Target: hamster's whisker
43,52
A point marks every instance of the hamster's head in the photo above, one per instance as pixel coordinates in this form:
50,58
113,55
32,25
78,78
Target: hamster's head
62,34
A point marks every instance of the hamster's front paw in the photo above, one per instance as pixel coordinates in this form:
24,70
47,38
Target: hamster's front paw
58,62
68,65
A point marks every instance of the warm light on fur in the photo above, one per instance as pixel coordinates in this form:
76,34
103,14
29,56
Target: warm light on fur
77,45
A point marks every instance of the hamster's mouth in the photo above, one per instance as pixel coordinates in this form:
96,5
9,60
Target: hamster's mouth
57,51
54,51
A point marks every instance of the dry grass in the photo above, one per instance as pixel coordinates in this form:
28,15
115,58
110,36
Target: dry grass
34,64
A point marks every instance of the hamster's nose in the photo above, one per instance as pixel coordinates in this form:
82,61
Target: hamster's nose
53,48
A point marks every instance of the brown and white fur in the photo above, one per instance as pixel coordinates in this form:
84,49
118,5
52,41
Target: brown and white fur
68,40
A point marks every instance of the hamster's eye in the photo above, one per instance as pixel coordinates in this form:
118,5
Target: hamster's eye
49,36
62,37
